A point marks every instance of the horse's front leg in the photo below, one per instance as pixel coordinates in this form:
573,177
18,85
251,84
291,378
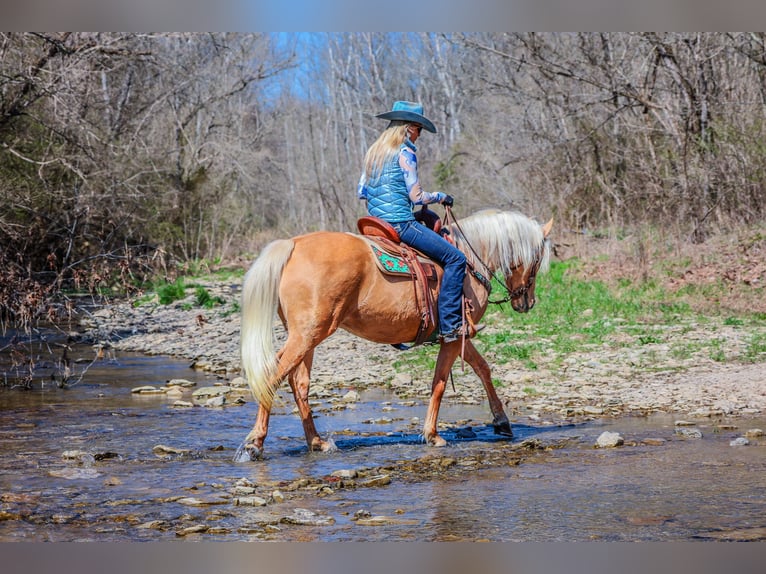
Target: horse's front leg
300,380
447,355
500,421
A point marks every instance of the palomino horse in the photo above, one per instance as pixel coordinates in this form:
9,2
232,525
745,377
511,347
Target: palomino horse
323,281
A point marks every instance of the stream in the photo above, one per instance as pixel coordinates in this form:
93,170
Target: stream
98,462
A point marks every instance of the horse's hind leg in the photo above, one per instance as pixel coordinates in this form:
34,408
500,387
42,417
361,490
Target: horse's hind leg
256,437
500,421
299,380
294,362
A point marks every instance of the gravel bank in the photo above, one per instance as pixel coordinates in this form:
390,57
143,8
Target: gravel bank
637,379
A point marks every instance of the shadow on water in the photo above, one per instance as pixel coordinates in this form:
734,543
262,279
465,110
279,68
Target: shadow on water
455,436
82,464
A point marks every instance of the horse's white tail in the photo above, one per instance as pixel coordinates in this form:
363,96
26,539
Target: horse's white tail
260,296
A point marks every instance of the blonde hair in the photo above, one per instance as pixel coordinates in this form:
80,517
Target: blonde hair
385,147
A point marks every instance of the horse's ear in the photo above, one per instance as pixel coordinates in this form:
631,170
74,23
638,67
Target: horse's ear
547,227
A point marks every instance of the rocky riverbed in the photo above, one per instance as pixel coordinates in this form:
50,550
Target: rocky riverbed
639,378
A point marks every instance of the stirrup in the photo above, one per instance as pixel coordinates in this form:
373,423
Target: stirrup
459,333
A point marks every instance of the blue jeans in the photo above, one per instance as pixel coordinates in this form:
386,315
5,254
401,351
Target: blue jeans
451,259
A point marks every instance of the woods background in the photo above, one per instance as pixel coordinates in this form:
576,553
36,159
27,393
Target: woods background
125,156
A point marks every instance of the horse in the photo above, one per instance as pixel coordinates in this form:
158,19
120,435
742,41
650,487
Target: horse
326,280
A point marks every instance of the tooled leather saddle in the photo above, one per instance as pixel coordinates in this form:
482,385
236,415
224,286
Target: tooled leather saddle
396,258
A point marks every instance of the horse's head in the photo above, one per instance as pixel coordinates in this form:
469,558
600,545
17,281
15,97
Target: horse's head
520,282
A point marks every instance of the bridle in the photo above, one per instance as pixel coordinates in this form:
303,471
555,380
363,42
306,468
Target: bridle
510,294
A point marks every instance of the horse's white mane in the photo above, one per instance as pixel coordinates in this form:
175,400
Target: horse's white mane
503,239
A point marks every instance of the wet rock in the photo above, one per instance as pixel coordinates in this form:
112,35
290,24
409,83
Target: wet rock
75,473
154,525
385,520
306,517
591,410
146,390
250,501
653,441
351,397
174,393
207,392
181,383
238,383
182,405
193,501
345,473
684,423
754,433
689,433
739,441
243,490
377,480
80,455
113,481
609,440
277,496
195,529
217,401
164,450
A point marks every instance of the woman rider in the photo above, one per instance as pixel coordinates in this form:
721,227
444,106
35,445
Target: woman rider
391,187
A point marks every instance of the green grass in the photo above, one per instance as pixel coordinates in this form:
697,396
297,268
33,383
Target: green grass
575,315
170,292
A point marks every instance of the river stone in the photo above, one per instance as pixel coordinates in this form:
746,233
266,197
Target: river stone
277,496
305,517
351,397
174,393
591,410
218,401
153,525
377,480
207,392
739,441
162,450
689,433
344,473
250,501
385,520
197,528
609,439
146,390
181,383
193,501
243,490
754,433
183,404
238,383
75,473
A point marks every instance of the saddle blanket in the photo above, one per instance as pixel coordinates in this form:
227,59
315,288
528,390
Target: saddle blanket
394,264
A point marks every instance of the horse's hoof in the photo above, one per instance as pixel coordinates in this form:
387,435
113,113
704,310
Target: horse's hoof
254,452
436,441
503,428
318,445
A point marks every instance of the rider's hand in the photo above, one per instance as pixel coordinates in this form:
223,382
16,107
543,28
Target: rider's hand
448,201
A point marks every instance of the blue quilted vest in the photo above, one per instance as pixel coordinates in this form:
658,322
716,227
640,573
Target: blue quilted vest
387,195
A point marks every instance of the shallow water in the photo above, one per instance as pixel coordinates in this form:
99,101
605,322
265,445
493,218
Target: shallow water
683,489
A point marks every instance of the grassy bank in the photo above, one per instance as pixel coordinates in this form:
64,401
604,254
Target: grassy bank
637,324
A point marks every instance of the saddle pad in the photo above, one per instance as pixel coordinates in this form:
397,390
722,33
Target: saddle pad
396,265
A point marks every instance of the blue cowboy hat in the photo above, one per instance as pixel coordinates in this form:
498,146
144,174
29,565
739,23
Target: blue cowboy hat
409,112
